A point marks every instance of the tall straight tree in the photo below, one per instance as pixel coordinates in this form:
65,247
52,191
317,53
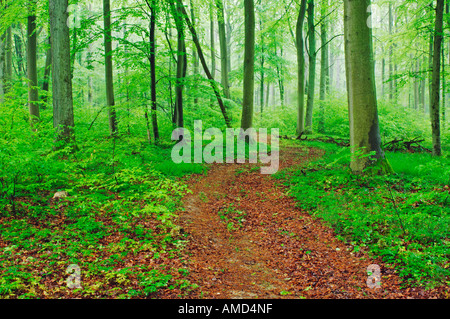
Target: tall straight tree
109,68
63,119
300,69
435,80
181,62
249,65
223,49
212,40
153,9
324,65
195,62
362,99
33,95
312,67
261,72
18,49
47,70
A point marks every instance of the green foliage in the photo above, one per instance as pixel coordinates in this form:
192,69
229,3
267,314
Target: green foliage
232,217
404,218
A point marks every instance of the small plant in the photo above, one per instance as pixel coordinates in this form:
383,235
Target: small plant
232,217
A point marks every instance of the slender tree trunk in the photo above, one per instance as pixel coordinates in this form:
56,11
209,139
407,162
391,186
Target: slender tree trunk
33,95
228,41
89,62
153,71
181,63
194,50
422,85
362,100
63,119
109,68
224,65
212,41
249,65
312,68
19,52
435,83
324,66
300,69
416,86
47,70
261,74
430,71
280,76
391,82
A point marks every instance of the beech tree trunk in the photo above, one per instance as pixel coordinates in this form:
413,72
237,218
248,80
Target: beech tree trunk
109,68
177,13
435,80
324,66
312,68
249,65
153,71
63,119
47,70
33,95
300,69
362,99
223,49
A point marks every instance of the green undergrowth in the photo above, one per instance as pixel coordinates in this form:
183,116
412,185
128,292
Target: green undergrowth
117,223
403,218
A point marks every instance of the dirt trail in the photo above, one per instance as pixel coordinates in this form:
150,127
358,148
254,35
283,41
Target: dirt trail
280,251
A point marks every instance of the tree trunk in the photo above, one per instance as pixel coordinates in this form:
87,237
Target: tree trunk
109,68
194,50
63,119
280,76
430,71
47,70
249,65
391,82
181,63
33,94
324,67
362,100
300,69
312,68
223,50
19,52
153,71
435,83
213,42
261,74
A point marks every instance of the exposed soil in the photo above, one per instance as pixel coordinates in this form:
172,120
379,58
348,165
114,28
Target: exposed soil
279,251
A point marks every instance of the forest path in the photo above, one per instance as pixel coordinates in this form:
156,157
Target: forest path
279,251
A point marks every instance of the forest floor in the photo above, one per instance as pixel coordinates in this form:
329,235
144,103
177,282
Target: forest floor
247,239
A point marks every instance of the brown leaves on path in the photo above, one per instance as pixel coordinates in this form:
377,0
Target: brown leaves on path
276,250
